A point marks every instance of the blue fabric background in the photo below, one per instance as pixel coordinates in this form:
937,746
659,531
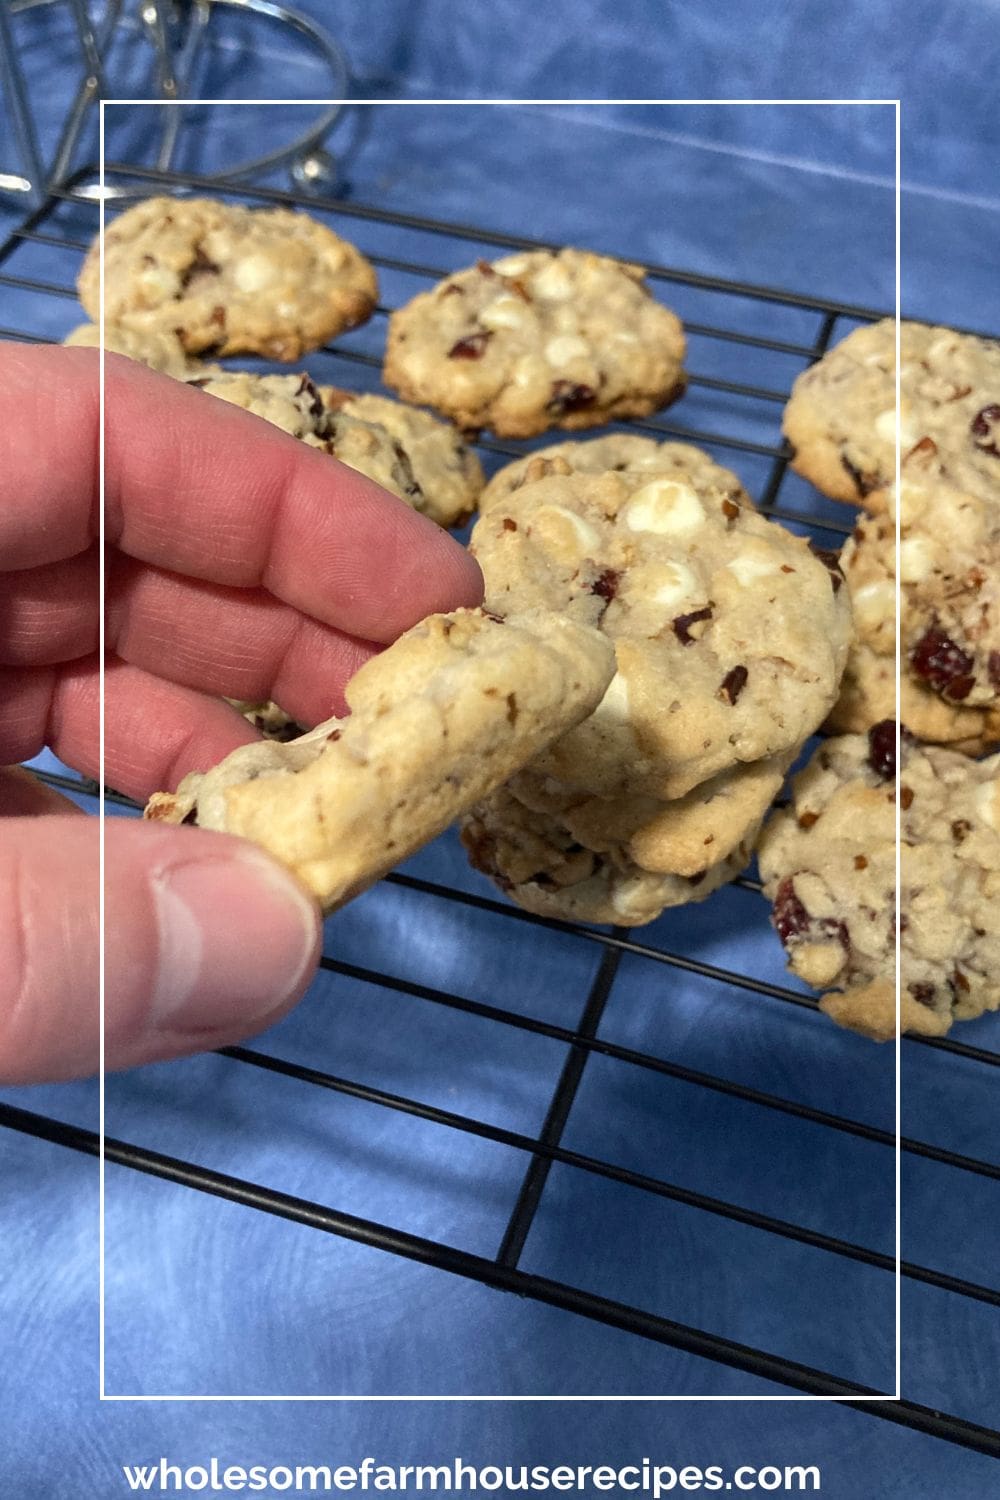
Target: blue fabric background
206,1297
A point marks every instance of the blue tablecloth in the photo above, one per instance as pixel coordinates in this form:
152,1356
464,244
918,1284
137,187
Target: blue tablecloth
206,1297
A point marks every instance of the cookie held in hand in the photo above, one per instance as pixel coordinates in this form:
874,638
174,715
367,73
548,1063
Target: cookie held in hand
443,716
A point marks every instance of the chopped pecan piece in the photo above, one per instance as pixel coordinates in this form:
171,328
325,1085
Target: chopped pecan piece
473,346
683,623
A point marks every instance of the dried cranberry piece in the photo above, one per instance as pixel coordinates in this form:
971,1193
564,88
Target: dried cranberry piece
683,622
882,749
830,561
606,585
985,429
567,395
471,347
947,668
789,916
733,683
923,993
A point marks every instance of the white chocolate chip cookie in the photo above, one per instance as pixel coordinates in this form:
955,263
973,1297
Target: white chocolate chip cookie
294,404
841,419
541,865
162,351
617,451
730,633
448,472
949,584
537,340
828,863
227,278
438,720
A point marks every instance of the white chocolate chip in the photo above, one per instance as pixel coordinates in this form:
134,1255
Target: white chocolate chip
675,582
512,265
615,703
749,566
552,281
567,347
916,558
874,604
988,803
885,427
159,281
254,272
665,507
504,312
564,533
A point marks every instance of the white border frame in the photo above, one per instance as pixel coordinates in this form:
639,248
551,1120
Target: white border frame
103,1395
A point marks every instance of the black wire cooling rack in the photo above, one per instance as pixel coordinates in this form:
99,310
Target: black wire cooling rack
39,260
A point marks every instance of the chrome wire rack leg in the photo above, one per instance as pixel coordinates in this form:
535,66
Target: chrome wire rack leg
176,32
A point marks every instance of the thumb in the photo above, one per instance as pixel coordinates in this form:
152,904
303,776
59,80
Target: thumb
207,941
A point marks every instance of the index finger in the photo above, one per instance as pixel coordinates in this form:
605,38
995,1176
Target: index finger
200,487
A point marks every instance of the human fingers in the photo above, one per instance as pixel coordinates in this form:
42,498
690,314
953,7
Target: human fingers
207,941
156,732
195,485
243,643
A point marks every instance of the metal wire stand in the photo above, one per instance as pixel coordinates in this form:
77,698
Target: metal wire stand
176,32
46,231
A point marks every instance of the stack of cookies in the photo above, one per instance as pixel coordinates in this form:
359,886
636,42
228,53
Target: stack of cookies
841,421
829,861
730,638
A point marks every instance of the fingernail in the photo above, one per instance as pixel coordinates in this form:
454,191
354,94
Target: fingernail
237,938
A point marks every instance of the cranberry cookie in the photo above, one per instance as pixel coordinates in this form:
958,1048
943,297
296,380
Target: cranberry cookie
227,278
161,351
949,583
447,471
841,418
828,863
538,340
439,719
537,860
730,633
616,452
294,403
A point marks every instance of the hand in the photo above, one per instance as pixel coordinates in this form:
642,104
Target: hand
238,561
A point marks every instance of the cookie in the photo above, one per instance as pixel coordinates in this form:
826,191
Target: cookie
439,719
841,418
537,340
617,451
828,863
293,403
681,837
540,864
730,633
227,278
162,351
868,695
949,581
446,469
949,585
